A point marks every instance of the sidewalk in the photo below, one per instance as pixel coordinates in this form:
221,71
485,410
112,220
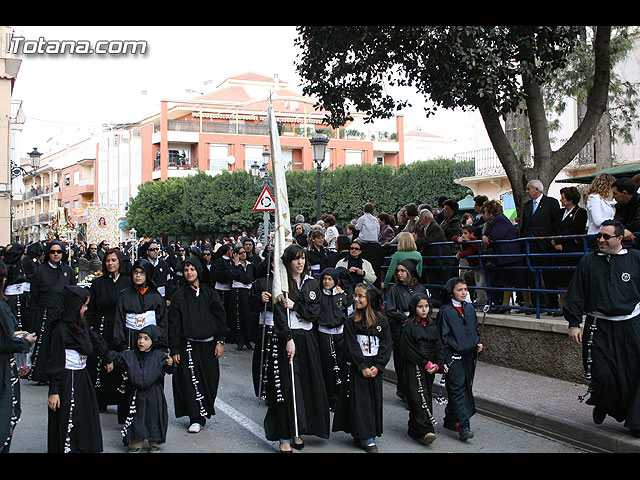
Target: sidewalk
543,404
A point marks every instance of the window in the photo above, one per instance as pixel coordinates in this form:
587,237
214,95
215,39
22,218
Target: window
67,180
353,157
218,155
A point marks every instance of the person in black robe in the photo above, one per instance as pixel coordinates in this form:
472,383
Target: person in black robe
295,355
242,275
73,418
105,291
606,287
33,257
47,284
330,330
160,273
16,287
222,283
368,346
146,366
138,306
197,331
460,337
406,284
12,342
260,304
422,358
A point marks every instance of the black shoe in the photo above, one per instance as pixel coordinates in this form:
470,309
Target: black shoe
558,314
530,312
598,415
297,446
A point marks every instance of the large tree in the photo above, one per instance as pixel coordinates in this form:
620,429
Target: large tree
494,69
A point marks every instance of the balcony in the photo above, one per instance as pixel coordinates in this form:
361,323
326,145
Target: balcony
485,162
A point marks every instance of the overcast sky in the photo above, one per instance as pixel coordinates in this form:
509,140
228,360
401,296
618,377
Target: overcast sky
79,91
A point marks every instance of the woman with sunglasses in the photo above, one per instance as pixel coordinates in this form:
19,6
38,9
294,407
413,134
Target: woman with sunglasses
47,286
360,270
242,275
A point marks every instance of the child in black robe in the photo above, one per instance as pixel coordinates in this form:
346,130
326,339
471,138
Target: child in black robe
330,328
148,415
422,347
460,339
367,337
73,420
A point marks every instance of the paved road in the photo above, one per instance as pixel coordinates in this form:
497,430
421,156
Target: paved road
237,426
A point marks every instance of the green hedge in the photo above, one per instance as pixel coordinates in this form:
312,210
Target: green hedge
204,204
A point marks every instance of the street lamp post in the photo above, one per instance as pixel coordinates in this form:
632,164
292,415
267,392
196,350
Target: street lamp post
319,145
260,175
18,171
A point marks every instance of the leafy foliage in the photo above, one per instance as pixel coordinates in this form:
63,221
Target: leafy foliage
204,204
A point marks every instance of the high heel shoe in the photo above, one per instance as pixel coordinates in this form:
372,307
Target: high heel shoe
296,445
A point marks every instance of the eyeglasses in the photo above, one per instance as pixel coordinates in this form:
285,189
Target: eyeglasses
152,249
240,253
355,248
206,254
138,272
606,236
56,252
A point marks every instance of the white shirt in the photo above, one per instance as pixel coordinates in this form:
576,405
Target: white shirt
598,210
369,228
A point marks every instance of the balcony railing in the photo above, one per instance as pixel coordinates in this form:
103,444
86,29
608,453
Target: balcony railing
485,162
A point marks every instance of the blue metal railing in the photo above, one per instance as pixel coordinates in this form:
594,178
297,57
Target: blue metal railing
445,263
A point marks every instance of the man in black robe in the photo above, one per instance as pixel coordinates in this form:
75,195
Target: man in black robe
197,331
161,276
47,286
606,286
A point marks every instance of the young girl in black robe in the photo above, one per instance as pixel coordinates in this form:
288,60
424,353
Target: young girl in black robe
407,283
422,358
460,340
197,331
146,365
334,302
260,304
73,421
368,347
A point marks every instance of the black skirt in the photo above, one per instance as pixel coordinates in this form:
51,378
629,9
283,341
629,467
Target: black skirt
77,429
614,372
196,400
359,404
312,406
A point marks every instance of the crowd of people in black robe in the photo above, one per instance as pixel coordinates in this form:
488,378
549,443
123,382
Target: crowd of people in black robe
322,349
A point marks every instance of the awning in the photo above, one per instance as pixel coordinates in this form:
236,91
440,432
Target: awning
618,172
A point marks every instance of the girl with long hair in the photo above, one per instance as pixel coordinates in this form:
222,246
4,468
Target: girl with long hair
368,346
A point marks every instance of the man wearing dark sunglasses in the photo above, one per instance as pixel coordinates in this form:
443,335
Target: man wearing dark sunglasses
47,285
606,286
162,277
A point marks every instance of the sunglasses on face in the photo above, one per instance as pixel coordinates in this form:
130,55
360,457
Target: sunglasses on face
153,249
606,236
56,252
355,248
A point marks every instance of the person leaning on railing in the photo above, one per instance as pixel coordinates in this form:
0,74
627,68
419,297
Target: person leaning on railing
499,227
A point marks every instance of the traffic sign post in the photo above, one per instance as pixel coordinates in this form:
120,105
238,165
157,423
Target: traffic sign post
265,202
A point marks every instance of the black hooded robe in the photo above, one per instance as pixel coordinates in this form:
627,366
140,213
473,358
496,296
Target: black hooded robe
359,403
10,410
47,285
420,344
312,406
100,317
264,311
330,332
148,416
197,322
242,278
75,426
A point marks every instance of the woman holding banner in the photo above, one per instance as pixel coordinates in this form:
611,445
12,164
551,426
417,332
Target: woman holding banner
298,407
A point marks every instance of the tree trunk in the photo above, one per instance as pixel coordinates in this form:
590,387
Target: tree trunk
602,143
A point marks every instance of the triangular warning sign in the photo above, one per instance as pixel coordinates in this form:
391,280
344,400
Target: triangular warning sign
265,202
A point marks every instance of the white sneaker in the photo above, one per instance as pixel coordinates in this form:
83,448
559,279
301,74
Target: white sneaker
194,428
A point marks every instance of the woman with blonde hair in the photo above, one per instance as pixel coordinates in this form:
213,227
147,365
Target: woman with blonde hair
599,204
406,249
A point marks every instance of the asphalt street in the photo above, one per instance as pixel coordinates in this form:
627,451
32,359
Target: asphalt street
237,425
